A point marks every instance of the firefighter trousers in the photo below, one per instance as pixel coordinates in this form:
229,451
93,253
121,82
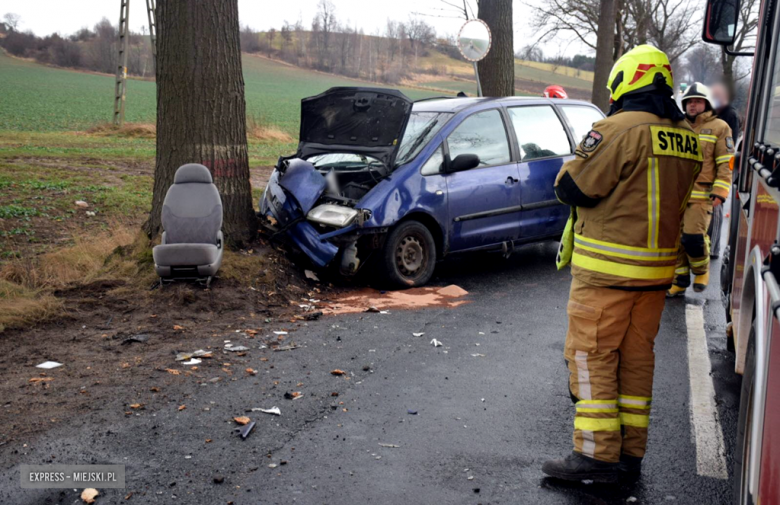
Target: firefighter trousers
693,256
609,352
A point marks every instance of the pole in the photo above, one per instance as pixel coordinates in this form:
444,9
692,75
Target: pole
121,71
152,13
479,86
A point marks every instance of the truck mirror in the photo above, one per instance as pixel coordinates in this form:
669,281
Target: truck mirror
720,22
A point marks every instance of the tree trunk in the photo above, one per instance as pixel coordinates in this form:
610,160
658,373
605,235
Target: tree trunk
201,112
727,62
605,45
497,69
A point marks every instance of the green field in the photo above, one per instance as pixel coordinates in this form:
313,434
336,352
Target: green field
34,97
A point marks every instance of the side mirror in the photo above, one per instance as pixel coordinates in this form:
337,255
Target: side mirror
463,162
720,22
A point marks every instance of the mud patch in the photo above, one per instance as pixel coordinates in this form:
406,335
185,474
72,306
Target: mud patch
410,299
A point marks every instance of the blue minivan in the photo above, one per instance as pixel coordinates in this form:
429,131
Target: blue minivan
468,174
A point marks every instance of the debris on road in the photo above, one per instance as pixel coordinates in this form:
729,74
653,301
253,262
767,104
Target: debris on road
391,446
172,371
251,371
182,407
412,412
200,353
286,348
89,495
631,499
246,430
48,365
193,361
41,379
219,479
242,420
273,411
238,348
311,275
418,334
372,309
314,316
478,355
436,343
293,396
272,465
337,372
280,333
141,338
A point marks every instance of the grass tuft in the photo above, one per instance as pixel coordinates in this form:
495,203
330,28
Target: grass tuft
21,306
259,129
128,130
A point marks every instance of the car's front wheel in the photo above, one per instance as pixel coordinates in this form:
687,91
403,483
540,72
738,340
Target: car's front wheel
409,255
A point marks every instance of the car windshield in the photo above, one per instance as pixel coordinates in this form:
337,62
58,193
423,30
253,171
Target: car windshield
343,160
421,128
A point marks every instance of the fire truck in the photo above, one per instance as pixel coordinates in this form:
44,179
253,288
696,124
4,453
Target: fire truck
751,266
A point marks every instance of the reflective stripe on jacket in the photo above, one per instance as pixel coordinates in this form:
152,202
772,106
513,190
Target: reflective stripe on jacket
717,150
631,179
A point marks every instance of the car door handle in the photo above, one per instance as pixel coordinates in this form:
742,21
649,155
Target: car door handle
511,180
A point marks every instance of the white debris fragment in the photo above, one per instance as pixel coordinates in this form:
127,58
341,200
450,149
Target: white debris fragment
478,355
470,477
82,204
418,334
193,361
311,275
280,333
436,343
631,499
272,465
273,410
587,482
91,213
48,365
384,311
392,446
238,348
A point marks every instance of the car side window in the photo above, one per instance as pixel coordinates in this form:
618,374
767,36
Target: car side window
540,134
482,134
581,119
434,163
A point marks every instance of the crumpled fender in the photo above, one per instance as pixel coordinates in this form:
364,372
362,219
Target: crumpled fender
304,183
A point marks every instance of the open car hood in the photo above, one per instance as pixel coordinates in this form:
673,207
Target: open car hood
368,121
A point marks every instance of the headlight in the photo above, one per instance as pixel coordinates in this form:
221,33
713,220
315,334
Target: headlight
332,215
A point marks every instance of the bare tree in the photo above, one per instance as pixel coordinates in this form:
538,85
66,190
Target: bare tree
201,111
745,40
604,54
702,64
497,69
325,21
270,36
13,21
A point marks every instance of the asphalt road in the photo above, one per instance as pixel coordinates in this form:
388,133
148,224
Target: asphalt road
492,404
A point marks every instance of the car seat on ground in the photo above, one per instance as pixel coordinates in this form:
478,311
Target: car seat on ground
191,245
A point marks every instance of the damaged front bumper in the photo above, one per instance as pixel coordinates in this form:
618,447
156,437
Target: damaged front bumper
288,210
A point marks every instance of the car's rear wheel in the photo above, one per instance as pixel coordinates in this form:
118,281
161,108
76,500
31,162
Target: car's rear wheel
742,453
409,256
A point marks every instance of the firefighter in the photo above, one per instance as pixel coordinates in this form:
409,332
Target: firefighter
554,91
710,190
628,186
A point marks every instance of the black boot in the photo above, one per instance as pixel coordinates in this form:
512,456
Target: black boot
630,467
578,467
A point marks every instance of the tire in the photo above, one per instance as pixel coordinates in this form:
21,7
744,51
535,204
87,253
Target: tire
409,256
742,450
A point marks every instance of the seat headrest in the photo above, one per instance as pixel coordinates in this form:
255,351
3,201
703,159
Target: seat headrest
192,172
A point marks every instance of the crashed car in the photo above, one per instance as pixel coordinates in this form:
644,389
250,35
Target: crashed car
467,174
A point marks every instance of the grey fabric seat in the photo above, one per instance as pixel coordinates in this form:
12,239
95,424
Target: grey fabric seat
192,219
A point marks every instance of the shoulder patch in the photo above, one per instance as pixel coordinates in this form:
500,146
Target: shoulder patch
677,142
591,141
730,144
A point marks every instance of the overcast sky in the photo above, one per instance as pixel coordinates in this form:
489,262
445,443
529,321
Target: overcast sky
65,17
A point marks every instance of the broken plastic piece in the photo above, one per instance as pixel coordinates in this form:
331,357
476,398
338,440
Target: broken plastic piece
392,446
273,410
372,309
48,365
244,431
418,334
311,275
238,348
280,333
89,495
436,343
193,361
412,412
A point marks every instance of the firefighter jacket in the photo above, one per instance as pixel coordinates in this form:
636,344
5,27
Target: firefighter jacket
630,180
717,150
